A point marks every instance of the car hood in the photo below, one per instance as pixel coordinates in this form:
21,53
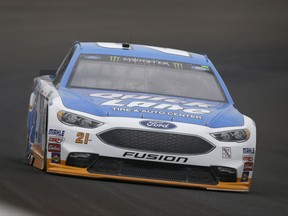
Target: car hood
151,106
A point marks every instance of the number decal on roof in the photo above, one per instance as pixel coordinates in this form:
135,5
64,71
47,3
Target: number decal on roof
170,51
160,49
110,45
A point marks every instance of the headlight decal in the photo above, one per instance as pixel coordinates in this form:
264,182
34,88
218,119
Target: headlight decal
73,119
241,135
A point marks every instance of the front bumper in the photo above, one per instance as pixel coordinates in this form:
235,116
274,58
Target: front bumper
208,159
86,172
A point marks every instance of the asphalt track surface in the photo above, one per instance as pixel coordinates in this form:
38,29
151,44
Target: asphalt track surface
246,40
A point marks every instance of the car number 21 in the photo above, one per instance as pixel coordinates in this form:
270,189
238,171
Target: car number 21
82,138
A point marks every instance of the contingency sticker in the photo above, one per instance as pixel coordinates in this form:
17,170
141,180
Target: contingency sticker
248,158
245,177
56,139
226,152
248,150
55,157
56,132
248,166
52,147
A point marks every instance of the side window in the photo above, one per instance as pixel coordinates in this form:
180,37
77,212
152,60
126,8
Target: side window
64,65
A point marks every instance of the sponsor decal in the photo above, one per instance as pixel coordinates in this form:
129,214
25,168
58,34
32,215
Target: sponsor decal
56,132
248,150
164,104
55,158
143,111
114,58
142,61
150,62
158,124
248,158
158,157
52,147
93,57
202,68
226,152
248,166
245,177
178,65
55,139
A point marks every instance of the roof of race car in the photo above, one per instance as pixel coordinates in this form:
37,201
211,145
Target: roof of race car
143,51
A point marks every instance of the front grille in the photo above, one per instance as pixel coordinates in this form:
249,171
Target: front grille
153,170
156,141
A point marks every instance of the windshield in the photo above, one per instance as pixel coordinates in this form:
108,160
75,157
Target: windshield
146,75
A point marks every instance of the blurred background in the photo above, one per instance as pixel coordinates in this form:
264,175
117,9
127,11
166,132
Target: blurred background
247,42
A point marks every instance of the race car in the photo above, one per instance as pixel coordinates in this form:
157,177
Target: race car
139,113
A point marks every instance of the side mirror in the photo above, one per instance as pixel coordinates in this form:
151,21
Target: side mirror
44,72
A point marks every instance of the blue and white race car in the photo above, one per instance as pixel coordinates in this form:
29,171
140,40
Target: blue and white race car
140,113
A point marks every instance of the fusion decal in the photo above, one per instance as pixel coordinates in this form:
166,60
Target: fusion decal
158,157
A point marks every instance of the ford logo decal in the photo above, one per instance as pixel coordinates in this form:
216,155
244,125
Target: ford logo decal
158,124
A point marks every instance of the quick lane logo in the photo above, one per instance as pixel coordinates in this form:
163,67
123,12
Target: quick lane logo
154,157
145,101
178,65
158,124
114,58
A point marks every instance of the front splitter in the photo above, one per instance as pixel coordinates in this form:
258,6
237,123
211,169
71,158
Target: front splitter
82,172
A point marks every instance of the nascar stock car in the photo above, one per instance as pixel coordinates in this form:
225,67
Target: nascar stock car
139,113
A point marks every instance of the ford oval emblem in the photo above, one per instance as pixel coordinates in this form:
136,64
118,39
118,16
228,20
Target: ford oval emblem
158,124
